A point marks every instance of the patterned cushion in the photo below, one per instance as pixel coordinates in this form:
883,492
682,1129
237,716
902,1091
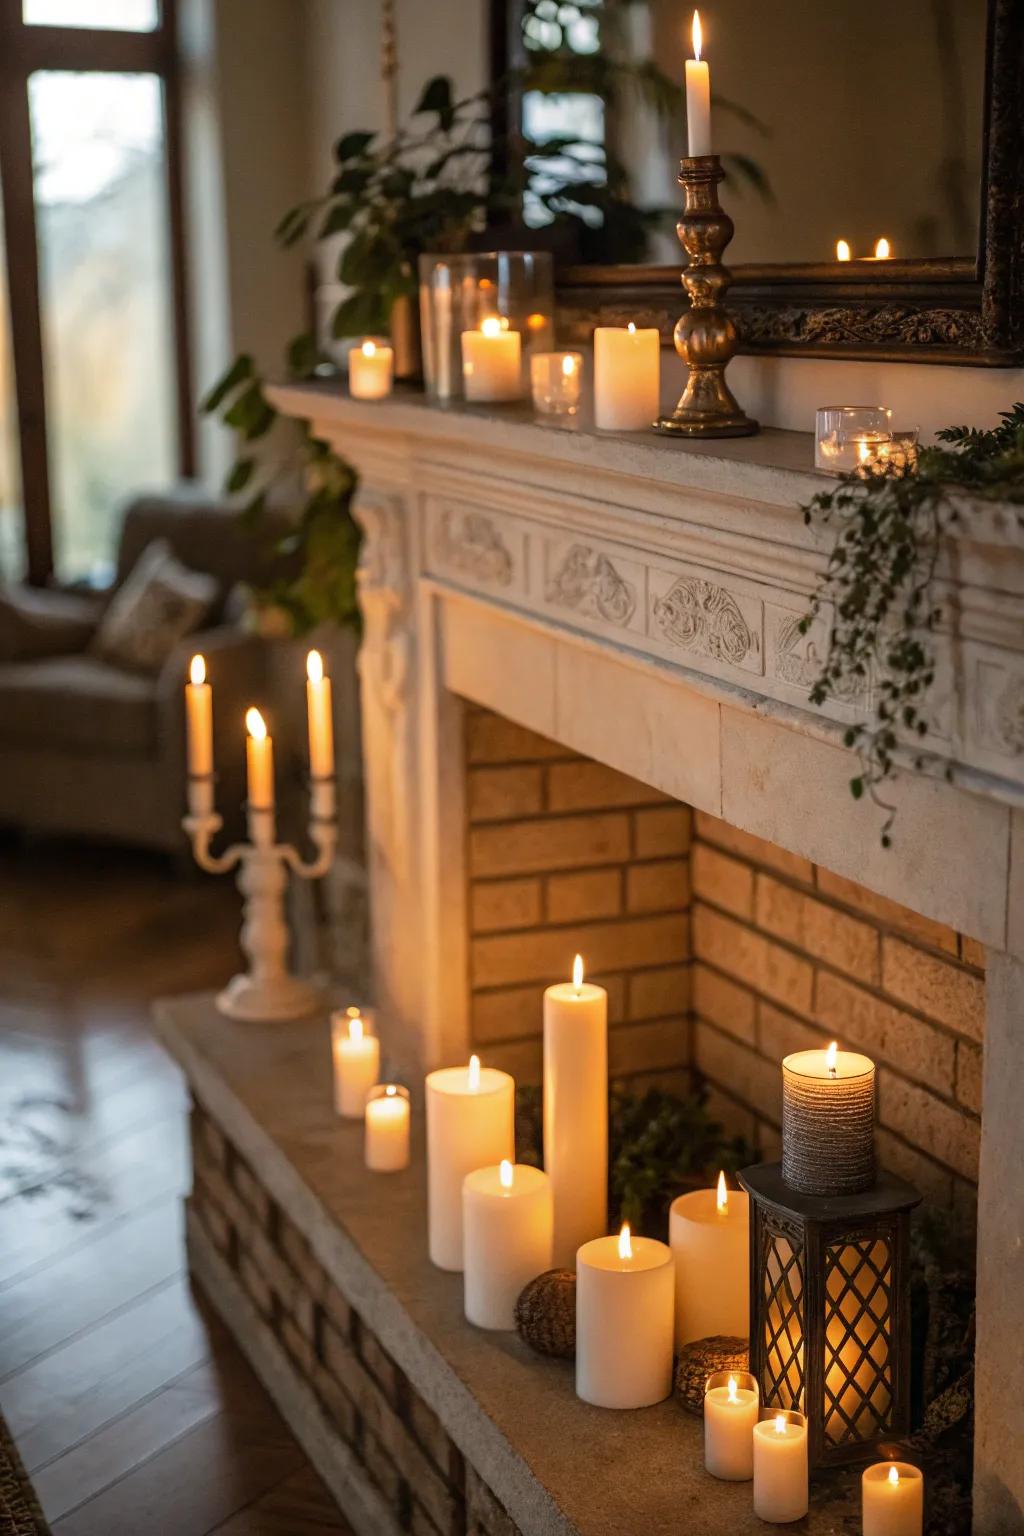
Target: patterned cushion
159,604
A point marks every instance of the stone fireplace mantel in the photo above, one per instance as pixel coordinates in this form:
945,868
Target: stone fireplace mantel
637,601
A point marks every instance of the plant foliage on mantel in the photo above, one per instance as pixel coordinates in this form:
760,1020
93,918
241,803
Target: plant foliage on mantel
879,586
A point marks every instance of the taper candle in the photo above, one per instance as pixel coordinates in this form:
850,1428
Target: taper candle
828,1122
708,1232
627,377
624,1308
780,1466
199,721
892,1499
386,1136
698,97
730,1413
470,1124
356,1053
506,1236
576,1111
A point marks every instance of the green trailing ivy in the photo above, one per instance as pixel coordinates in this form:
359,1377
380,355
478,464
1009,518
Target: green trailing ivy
878,590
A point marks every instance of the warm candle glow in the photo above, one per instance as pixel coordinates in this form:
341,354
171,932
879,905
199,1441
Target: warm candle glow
315,667
473,1074
197,671
697,35
625,1242
780,1423
390,1091
255,725
883,250
577,973
568,366
722,1194
894,1477
505,1173
491,326
355,1027
733,1398
369,349
842,250
830,1058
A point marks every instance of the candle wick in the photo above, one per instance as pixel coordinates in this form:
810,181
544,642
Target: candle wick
832,1072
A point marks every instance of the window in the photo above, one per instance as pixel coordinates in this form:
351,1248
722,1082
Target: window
118,15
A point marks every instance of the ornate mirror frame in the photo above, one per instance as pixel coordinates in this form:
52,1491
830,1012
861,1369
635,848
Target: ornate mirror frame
967,310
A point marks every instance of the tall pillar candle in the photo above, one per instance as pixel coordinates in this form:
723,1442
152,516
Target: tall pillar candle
828,1122
470,1124
624,1310
698,97
708,1232
627,378
506,1237
892,1499
730,1413
199,722
780,1466
356,1054
576,1111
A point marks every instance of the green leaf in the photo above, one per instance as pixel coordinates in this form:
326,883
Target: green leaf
339,217
857,788
240,370
437,97
251,416
240,475
303,356
350,145
363,313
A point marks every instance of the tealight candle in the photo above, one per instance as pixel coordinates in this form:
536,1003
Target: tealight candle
576,1111
470,1124
730,1413
386,1140
625,1287
708,1232
828,1122
492,362
627,377
892,1499
356,1053
780,1466
370,368
199,718
506,1234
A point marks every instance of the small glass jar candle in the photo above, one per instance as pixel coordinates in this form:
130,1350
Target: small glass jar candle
730,1413
780,1466
892,1499
387,1128
370,370
356,1053
846,437
556,378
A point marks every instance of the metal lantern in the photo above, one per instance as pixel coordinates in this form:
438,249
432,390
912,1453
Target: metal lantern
830,1309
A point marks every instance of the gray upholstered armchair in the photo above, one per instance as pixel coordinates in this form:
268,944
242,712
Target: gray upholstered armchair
94,749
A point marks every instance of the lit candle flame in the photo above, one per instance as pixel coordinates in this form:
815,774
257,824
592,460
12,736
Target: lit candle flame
255,724
473,1074
315,667
390,1091
356,1026
830,1058
883,249
780,1423
625,1243
197,671
843,250
733,1398
697,35
631,328
894,1476
568,366
369,349
491,326
505,1173
577,974
722,1194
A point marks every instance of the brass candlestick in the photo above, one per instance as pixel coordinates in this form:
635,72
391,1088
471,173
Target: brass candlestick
705,336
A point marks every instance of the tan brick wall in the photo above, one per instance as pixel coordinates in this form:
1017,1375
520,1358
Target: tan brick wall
566,856
786,955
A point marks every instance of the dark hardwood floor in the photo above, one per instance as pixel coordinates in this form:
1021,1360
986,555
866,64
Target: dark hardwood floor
132,1408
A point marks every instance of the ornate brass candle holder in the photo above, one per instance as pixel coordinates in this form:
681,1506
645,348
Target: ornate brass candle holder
705,336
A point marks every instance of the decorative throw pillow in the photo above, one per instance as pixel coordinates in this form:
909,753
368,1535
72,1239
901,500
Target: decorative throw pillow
160,602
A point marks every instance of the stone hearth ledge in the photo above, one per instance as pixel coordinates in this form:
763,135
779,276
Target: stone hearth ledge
559,1466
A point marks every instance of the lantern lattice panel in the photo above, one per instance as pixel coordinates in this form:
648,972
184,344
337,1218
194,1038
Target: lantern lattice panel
783,1376
858,1359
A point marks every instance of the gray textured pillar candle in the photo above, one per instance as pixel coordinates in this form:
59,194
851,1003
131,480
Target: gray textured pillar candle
828,1122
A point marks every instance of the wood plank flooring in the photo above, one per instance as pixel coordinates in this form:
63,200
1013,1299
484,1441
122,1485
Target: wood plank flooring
132,1408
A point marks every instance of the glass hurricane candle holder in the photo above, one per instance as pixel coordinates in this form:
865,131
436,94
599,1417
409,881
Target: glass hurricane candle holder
459,293
780,1466
556,379
846,437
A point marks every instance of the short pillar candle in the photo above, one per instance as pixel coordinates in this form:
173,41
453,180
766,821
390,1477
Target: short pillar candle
386,1136
492,363
828,1122
709,1234
780,1466
892,1499
506,1239
470,1124
370,369
730,1413
356,1054
576,1111
627,377
624,1318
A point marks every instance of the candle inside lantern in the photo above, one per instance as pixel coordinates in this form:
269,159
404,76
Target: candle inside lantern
470,1124
730,1413
576,1111
624,1319
492,362
892,1499
698,97
627,377
507,1228
356,1053
386,1142
199,720
370,369
780,1466
828,1122
708,1232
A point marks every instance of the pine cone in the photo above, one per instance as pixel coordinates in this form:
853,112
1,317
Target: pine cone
546,1314
696,1362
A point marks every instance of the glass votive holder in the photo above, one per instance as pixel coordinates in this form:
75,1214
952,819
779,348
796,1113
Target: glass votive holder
462,294
371,366
848,436
731,1402
556,380
896,457
892,1499
387,1128
780,1466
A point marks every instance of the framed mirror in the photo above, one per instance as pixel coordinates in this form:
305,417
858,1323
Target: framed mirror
874,159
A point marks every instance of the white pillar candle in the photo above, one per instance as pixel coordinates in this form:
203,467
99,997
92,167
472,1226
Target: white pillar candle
708,1232
470,1124
492,362
370,368
698,98
624,1307
506,1236
386,1141
892,1499
356,1054
730,1413
199,721
828,1122
627,377
576,1111
780,1467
